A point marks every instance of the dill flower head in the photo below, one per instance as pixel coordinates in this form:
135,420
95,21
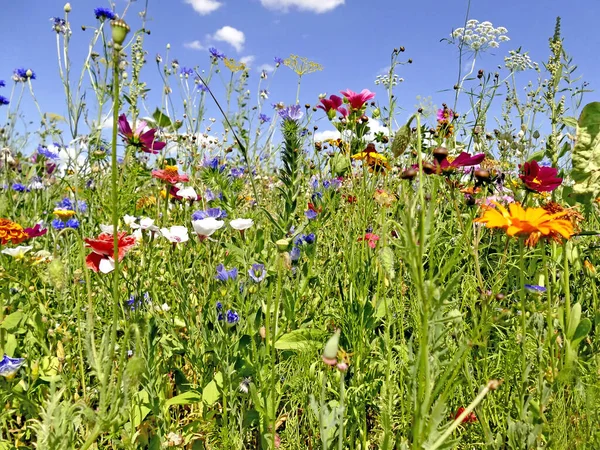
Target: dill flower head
11,232
302,65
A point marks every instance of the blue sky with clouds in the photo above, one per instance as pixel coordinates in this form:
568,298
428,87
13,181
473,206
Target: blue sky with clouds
352,39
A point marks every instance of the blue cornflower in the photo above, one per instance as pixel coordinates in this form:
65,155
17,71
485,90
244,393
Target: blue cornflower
209,195
535,289
82,206
186,71
46,152
237,172
314,183
23,75
293,112
213,164
216,213
2,83
18,187
4,100
72,223
58,224
66,203
59,25
257,272
232,317
216,53
295,254
310,214
219,306
136,302
223,274
309,238
316,196
298,241
202,87
104,13
264,118
9,366
278,61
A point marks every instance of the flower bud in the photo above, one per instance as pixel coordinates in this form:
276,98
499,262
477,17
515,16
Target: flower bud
408,174
440,154
282,245
67,7
119,31
331,349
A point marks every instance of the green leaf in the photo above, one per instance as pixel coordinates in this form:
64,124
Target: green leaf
340,164
583,329
386,258
300,339
574,318
12,321
569,121
187,398
586,153
211,393
161,119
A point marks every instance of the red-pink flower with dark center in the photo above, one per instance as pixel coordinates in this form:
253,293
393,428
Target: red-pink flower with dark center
145,141
539,178
36,231
358,99
371,239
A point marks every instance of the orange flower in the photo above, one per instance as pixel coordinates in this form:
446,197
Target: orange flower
532,223
170,174
11,232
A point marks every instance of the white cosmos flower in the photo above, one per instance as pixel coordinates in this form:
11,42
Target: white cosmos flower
17,252
206,227
175,234
241,224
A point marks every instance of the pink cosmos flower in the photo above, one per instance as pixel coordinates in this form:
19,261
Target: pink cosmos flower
358,100
145,141
462,160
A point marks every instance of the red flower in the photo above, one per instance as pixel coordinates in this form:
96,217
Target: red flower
371,239
146,142
170,174
36,231
331,105
314,208
469,418
539,178
350,198
103,247
358,99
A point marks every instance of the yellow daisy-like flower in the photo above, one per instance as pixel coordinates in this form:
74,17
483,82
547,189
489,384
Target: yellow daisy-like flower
532,223
64,214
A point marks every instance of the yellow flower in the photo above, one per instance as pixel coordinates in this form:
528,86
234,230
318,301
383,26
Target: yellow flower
233,65
64,214
532,223
302,65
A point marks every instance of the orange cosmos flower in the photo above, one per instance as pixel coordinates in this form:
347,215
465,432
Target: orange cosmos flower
532,223
11,232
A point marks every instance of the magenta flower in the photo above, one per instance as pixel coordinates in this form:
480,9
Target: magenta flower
462,160
445,115
358,100
145,141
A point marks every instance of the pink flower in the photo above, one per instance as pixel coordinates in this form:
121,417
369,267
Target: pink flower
331,103
358,100
36,231
463,160
371,239
145,141
445,115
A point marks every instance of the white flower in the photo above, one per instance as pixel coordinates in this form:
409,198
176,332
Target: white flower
17,252
129,220
175,234
165,307
206,227
241,224
106,228
146,223
188,193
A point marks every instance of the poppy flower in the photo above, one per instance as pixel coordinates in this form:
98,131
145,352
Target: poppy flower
100,260
539,178
469,418
371,239
358,99
532,223
145,141
170,174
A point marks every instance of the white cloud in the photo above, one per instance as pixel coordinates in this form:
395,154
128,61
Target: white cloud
317,6
248,60
204,7
327,134
233,37
374,125
266,67
194,45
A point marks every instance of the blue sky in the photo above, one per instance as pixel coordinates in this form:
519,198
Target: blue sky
352,39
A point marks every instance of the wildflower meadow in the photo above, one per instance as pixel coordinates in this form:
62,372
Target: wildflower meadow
194,264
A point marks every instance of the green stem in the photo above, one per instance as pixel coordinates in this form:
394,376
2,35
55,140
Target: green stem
522,297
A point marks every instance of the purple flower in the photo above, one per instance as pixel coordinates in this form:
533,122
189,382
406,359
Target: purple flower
216,213
9,366
535,289
216,53
23,75
104,13
257,272
264,118
186,71
44,151
202,87
278,61
237,172
18,187
309,238
59,25
58,224
310,214
224,275
2,83
213,164
72,223
295,254
232,317
291,113
219,306
209,195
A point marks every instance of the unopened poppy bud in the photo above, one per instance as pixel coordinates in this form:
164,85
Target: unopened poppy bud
402,49
480,74
307,106
282,244
376,113
428,168
440,154
67,7
331,349
420,110
119,31
410,61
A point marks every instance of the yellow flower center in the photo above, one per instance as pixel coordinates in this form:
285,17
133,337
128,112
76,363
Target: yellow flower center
64,214
171,171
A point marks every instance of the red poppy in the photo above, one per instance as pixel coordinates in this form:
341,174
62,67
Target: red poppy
539,178
36,231
170,174
103,247
145,141
469,418
371,239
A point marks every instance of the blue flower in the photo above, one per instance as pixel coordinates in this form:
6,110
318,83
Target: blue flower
295,254
2,83
44,151
66,203
264,118
4,100
213,164
293,112
224,275
216,53
18,187
186,71
9,366
202,87
59,25
309,238
104,13
82,206
535,289
278,61
232,317
219,306
209,195
72,223
58,224
316,196
257,272
310,214
216,213
237,172
23,75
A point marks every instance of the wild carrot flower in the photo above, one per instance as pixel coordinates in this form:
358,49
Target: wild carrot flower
9,366
532,223
358,99
170,174
102,257
144,141
539,178
11,232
